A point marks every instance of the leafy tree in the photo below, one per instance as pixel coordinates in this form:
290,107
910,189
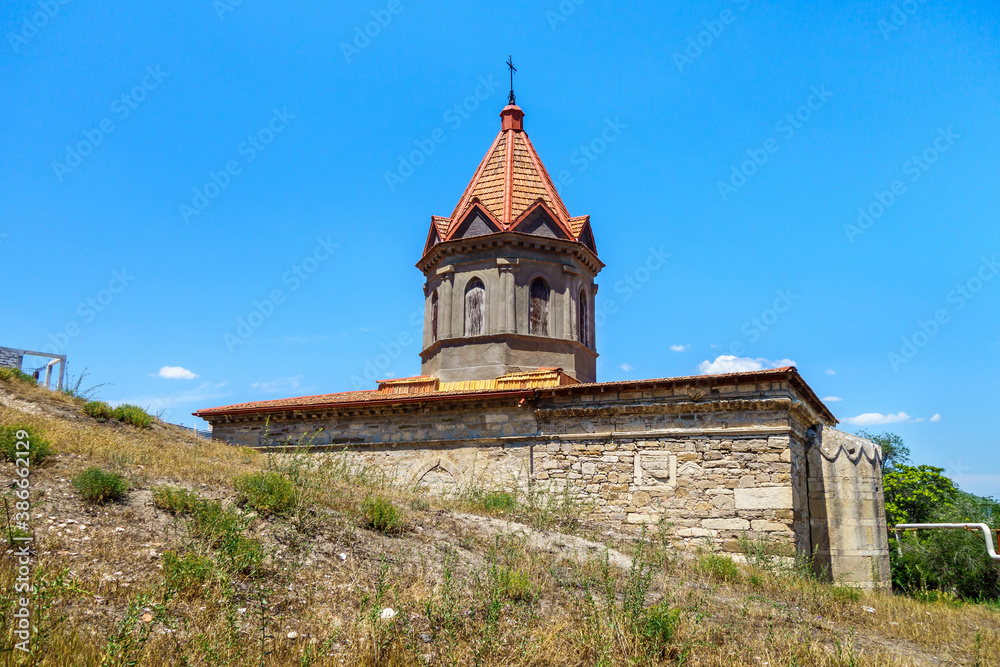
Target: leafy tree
954,561
916,494
894,452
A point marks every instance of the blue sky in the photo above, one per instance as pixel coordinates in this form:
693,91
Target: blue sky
823,178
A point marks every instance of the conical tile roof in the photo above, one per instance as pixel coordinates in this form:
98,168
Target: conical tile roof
509,185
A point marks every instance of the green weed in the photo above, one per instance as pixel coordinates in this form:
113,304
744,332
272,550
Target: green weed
99,410
188,572
720,568
381,515
32,445
267,492
134,415
99,486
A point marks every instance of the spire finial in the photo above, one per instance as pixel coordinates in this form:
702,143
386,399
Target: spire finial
510,64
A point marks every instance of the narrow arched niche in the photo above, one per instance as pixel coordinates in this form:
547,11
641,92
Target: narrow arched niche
538,308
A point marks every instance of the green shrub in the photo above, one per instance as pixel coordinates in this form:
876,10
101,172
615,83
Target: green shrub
132,414
381,515
938,597
100,486
16,375
99,410
719,568
38,450
267,492
499,501
221,528
950,560
845,594
659,625
12,535
175,500
224,528
188,572
513,585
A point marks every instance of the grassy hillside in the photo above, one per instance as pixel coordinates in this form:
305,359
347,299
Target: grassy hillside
225,556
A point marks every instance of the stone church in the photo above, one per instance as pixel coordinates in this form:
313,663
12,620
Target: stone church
508,396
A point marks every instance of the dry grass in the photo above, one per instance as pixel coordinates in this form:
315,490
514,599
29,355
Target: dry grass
462,593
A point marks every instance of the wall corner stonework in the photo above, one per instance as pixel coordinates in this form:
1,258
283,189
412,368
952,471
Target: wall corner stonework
847,509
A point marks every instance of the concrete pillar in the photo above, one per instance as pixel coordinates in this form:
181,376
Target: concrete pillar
508,318
571,278
445,298
429,315
572,289
592,315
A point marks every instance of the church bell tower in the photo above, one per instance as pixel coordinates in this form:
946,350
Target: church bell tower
509,275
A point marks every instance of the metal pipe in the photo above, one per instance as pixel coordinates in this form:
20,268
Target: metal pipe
986,530
48,372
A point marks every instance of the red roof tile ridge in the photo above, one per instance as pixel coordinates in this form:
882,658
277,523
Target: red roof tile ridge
547,183
475,179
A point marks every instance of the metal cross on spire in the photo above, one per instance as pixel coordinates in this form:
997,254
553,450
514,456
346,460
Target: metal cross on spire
510,64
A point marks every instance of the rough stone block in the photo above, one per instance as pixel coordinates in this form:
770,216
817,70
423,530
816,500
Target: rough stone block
723,502
691,532
727,524
640,498
767,526
766,498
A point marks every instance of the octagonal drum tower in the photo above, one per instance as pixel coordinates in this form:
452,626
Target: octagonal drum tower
509,275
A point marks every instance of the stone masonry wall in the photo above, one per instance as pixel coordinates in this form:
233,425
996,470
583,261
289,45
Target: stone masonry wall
10,358
739,462
718,488
847,509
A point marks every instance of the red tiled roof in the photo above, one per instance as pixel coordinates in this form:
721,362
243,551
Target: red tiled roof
348,398
508,185
441,224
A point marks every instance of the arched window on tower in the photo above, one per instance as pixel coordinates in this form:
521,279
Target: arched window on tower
538,308
475,307
583,315
434,317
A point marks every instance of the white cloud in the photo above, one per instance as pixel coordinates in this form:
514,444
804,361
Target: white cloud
728,363
626,368
832,399
830,371
877,419
174,373
679,348
936,417
281,385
